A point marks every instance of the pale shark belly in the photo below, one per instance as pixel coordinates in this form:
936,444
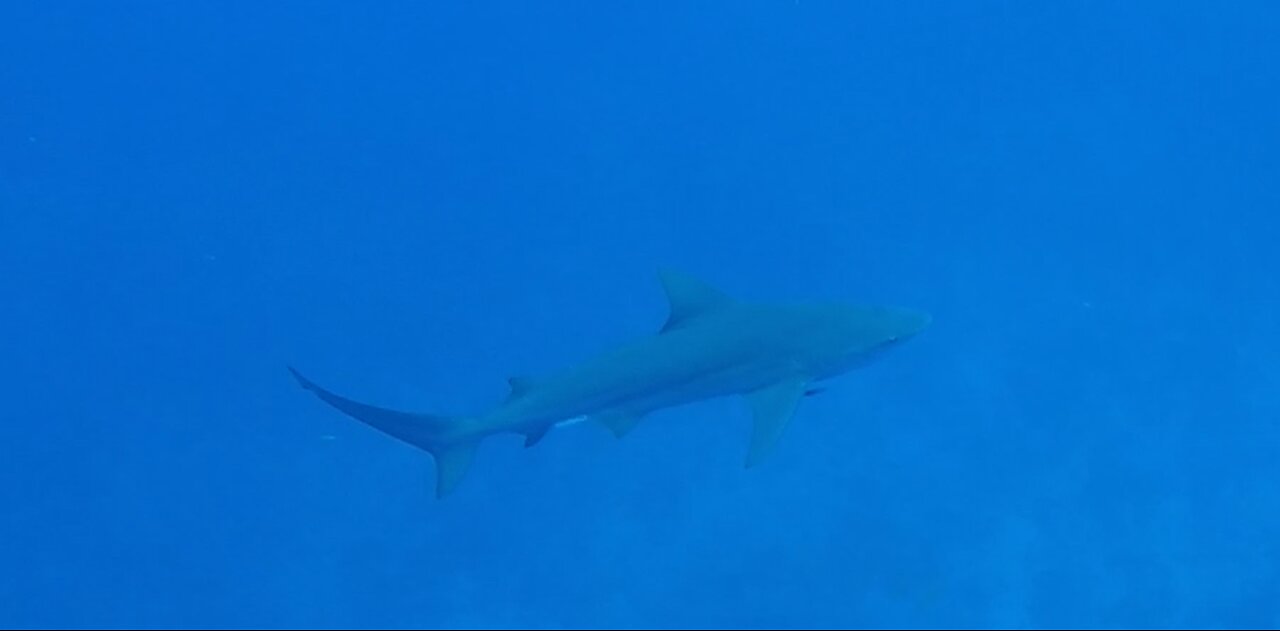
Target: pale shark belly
642,401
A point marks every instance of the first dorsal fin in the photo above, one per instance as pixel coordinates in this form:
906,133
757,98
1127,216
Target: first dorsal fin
689,298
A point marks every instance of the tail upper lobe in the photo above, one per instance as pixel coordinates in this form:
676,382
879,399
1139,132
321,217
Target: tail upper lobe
438,435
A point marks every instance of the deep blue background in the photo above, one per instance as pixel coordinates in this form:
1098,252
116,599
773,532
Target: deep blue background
414,200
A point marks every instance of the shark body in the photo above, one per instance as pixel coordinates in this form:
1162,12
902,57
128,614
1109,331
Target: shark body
711,345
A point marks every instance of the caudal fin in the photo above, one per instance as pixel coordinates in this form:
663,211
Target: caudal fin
442,437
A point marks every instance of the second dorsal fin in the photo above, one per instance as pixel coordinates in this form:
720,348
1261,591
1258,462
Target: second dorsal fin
520,386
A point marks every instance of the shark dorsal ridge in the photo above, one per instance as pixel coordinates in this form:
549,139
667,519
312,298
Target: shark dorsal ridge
689,298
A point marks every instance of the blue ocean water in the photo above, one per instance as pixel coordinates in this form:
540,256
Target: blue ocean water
413,201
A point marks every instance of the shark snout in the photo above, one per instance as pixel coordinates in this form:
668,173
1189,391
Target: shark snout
910,322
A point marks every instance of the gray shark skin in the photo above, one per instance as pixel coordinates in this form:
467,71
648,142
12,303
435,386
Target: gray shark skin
712,345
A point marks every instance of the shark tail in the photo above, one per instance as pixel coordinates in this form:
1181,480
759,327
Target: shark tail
445,438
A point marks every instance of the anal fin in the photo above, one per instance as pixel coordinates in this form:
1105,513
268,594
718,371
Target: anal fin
535,436
620,423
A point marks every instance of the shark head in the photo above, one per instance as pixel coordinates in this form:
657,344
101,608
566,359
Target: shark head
847,337
824,339
878,327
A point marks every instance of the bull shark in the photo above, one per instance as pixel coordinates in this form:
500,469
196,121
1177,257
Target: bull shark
712,345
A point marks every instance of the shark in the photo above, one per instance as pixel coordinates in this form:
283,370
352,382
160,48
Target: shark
711,345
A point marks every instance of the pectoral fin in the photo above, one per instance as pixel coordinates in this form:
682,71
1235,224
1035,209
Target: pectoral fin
772,408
